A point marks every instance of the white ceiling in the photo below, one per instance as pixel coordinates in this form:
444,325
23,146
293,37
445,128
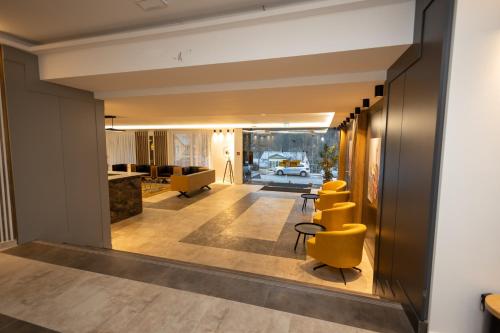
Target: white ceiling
358,61
43,21
173,96
277,105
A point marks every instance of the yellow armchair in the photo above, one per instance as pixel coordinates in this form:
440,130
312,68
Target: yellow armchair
334,185
333,218
340,249
328,199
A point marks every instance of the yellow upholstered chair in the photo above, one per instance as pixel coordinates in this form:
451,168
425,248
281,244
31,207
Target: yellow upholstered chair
333,218
328,199
334,185
340,249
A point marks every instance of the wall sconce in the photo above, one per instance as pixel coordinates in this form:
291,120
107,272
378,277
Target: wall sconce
366,102
379,90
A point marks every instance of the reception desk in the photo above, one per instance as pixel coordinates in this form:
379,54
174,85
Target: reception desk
125,194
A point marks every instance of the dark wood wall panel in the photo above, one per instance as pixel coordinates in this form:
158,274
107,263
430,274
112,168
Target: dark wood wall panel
414,115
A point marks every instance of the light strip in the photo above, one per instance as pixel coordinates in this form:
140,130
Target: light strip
326,123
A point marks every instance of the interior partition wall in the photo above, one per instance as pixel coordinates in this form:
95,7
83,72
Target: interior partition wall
414,113
58,155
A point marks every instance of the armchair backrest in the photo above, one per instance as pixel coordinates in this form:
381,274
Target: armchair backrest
328,199
334,185
334,218
342,248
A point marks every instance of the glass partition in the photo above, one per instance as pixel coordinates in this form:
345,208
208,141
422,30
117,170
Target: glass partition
286,157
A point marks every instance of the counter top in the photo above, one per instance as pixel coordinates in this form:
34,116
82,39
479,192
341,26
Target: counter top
113,175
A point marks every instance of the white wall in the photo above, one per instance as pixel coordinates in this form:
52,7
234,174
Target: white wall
221,142
467,247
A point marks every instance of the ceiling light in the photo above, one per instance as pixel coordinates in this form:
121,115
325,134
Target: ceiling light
379,90
152,4
112,128
351,115
366,102
357,110
327,121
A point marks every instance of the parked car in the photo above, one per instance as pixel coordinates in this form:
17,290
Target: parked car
300,170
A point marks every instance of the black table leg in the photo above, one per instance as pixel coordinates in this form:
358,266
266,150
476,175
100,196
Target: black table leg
304,204
304,241
296,242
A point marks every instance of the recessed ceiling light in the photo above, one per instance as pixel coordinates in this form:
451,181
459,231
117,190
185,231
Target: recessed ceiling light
152,4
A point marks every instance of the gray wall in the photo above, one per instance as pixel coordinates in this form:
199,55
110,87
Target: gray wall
58,157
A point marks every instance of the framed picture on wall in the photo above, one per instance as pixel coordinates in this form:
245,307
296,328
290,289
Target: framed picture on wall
373,170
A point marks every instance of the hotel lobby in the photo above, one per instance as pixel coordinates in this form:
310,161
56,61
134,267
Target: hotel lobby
249,166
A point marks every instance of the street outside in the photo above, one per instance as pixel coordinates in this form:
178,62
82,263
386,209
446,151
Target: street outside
314,179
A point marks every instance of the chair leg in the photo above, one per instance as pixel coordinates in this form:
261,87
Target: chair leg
343,277
319,266
358,269
183,194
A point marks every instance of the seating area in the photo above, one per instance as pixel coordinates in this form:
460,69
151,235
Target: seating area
341,244
181,179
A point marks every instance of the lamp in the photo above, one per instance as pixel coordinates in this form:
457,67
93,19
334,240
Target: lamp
379,90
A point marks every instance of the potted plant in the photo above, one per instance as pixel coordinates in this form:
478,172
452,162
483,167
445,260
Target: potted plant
329,158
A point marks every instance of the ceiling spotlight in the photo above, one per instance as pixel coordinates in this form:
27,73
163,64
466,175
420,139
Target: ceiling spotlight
227,131
366,102
357,110
215,131
379,90
351,115
220,131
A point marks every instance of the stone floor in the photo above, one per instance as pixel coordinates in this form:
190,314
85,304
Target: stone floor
48,287
237,227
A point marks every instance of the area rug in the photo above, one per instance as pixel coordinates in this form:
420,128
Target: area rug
285,189
152,189
175,203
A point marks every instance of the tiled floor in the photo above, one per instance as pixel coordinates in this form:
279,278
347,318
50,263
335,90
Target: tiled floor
74,289
236,227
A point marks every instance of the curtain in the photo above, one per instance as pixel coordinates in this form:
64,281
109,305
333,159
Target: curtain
142,147
160,147
189,147
120,147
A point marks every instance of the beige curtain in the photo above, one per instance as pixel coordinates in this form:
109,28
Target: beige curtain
142,147
161,148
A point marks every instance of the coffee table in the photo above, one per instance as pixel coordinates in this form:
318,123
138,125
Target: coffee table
307,229
306,196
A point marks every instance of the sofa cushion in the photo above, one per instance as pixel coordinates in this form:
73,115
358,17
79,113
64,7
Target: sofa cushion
144,168
165,170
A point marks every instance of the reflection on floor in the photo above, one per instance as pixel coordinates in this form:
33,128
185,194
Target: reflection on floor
235,227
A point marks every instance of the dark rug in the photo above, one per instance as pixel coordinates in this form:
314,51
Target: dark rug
175,203
285,189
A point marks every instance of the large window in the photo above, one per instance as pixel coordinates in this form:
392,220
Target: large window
286,156
191,148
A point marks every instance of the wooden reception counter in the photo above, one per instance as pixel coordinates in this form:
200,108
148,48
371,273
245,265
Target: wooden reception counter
125,194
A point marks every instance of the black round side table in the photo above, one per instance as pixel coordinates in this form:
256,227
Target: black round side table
306,196
307,229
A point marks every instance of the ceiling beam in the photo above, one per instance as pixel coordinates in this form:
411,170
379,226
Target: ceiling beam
312,28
